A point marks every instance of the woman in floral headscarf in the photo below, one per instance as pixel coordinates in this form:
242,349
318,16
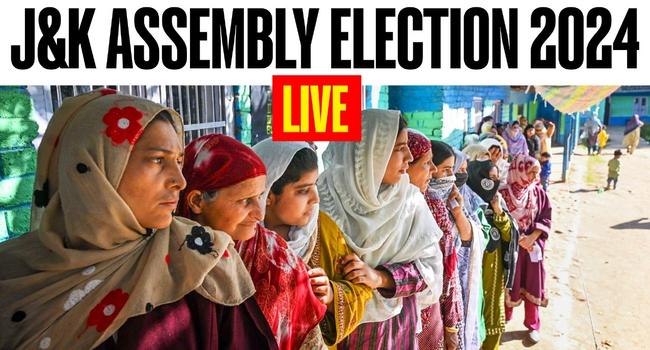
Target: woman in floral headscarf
420,168
531,207
225,183
108,265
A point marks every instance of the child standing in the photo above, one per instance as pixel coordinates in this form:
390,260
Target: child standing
603,136
614,166
545,175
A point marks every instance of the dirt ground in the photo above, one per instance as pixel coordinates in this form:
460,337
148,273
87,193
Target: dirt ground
597,258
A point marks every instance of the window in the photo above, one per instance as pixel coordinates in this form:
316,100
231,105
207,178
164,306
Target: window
640,106
205,109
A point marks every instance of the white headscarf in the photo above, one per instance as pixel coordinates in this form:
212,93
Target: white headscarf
501,164
381,223
276,157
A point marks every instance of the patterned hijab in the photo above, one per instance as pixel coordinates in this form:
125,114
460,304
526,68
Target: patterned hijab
382,224
519,194
89,266
418,144
283,292
216,161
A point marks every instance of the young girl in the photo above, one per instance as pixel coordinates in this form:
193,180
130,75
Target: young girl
291,203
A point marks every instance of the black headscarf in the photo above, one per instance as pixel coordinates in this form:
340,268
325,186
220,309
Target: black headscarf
479,179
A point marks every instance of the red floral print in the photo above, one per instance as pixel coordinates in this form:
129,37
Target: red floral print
123,124
105,92
103,314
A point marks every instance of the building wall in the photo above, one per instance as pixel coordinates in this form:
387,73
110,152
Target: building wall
17,160
622,108
243,122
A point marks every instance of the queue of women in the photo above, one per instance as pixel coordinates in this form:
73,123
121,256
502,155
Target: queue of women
140,242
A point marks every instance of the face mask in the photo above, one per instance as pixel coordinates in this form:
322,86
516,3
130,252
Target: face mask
442,187
461,179
488,189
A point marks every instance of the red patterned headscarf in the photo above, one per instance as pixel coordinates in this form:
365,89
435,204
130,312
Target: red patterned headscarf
216,161
418,144
519,194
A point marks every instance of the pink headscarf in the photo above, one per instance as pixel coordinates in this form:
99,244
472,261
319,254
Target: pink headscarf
519,194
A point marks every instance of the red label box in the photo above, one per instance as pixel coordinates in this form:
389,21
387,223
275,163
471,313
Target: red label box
316,108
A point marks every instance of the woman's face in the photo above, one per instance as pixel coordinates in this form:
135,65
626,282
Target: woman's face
295,205
446,168
494,173
530,132
463,168
399,160
420,171
153,178
533,173
235,209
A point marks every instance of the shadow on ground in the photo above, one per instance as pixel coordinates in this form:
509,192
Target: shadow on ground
633,225
521,336
585,190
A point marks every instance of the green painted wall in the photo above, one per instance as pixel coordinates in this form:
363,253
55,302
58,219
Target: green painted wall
17,161
622,105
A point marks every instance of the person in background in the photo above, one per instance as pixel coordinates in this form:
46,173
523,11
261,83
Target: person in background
632,134
530,206
532,141
591,129
603,137
614,169
501,128
545,174
523,121
515,139
544,130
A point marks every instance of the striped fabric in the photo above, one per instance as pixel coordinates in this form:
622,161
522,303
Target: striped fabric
399,331
572,99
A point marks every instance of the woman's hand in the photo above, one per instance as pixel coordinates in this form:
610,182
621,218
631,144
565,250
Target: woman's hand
320,285
527,242
455,196
495,203
357,271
